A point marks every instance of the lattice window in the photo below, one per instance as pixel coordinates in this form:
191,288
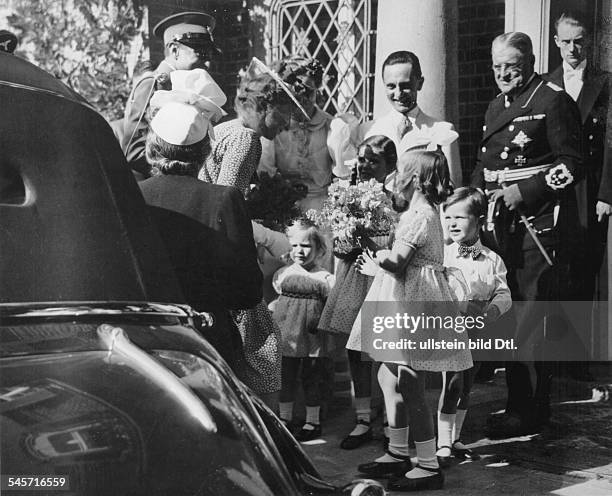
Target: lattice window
340,34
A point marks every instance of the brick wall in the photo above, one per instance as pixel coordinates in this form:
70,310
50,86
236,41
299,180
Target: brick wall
479,22
232,34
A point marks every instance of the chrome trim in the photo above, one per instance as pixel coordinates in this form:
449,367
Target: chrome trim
78,309
20,86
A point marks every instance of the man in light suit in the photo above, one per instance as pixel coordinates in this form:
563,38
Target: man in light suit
406,124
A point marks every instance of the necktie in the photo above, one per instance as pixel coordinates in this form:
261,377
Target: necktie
404,127
466,251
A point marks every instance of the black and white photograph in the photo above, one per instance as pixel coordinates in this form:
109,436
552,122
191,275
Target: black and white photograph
305,247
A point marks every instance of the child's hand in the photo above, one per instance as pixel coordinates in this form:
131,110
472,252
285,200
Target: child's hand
366,264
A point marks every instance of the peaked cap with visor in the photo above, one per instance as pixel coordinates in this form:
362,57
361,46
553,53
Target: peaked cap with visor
193,29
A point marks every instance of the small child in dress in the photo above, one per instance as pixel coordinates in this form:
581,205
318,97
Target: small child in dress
412,271
376,159
488,295
303,287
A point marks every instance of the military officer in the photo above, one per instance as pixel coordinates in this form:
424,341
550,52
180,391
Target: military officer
188,44
528,163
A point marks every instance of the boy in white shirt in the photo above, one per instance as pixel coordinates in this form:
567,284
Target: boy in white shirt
488,295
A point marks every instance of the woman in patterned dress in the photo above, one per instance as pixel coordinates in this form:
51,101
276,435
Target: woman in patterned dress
264,109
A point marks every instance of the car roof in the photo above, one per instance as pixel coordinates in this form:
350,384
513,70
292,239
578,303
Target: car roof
80,231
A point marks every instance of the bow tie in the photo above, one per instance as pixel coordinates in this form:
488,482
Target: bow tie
465,251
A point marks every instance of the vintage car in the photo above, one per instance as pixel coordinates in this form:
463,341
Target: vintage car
106,383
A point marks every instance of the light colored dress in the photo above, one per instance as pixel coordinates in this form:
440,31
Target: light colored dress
297,310
234,158
424,280
302,156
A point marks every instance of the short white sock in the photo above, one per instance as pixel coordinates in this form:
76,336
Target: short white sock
387,458
446,421
398,441
459,419
285,411
418,473
363,411
312,414
426,454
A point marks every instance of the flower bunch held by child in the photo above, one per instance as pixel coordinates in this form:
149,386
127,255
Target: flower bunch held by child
354,211
272,201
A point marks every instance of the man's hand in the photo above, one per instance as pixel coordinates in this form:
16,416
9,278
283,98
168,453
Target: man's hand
603,210
512,196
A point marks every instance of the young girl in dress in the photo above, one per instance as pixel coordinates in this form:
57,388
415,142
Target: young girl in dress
488,295
303,287
412,271
376,159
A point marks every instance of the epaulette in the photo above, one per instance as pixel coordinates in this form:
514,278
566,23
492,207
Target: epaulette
554,86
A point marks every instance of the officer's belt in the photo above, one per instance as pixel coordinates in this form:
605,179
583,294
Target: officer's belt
511,175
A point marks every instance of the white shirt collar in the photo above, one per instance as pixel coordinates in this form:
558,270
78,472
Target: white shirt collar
398,117
579,68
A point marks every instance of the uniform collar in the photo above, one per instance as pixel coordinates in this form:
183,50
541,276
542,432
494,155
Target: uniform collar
522,90
166,67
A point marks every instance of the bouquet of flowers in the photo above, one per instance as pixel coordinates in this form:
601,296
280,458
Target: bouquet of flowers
355,213
272,201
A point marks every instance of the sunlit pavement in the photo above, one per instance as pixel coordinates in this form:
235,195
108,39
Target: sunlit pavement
573,457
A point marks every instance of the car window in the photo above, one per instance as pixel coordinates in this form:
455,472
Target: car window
12,187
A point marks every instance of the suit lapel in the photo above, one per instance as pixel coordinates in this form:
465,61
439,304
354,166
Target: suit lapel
591,87
556,77
520,106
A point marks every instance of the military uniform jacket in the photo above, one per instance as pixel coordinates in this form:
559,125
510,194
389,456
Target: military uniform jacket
540,127
594,105
136,107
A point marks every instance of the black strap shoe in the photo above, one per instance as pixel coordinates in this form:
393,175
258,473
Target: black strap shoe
444,461
403,483
309,434
379,469
351,442
464,453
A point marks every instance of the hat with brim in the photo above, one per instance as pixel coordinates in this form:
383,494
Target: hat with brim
195,87
188,27
257,67
180,124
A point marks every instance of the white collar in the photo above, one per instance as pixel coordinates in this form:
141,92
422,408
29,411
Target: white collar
398,117
568,69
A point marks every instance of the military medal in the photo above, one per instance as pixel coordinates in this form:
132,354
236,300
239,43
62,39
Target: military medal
521,139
